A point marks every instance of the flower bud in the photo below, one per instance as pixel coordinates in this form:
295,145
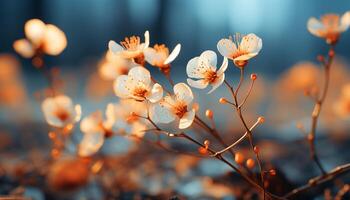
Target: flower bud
202,150
239,158
261,119
272,172
320,58
209,113
310,137
331,53
250,163
256,149
253,77
222,100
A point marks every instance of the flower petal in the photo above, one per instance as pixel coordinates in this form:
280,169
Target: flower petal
226,47
246,56
314,26
200,84
183,93
77,109
345,21
34,30
91,123
156,93
187,120
223,67
54,41
146,44
115,47
121,86
251,43
152,56
91,143
24,48
173,54
217,83
140,75
192,69
210,58
159,113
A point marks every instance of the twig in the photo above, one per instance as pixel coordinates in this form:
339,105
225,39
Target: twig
317,110
237,141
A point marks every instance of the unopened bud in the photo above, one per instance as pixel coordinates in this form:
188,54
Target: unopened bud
261,119
272,172
222,100
250,163
202,150
310,137
256,149
253,77
331,53
209,113
320,58
239,158
195,106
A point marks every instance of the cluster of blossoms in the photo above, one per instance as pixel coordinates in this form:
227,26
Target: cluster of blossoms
40,38
144,103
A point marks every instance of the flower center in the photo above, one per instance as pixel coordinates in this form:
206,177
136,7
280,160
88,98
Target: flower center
330,21
140,92
180,109
131,43
210,76
62,114
237,39
161,48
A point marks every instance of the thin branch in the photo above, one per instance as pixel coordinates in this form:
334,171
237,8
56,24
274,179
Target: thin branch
316,113
237,141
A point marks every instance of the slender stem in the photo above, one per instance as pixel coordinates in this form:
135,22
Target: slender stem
237,141
248,94
316,113
241,79
250,135
221,158
214,133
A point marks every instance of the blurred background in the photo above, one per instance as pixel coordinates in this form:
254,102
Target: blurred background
198,25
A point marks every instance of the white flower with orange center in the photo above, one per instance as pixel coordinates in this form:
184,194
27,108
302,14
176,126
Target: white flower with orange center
95,130
329,27
128,116
138,85
203,68
40,38
114,65
177,106
59,111
159,56
131,48
241,48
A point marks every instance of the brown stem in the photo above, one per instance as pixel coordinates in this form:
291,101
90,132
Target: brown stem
214,133
316,113
238,109
221,158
